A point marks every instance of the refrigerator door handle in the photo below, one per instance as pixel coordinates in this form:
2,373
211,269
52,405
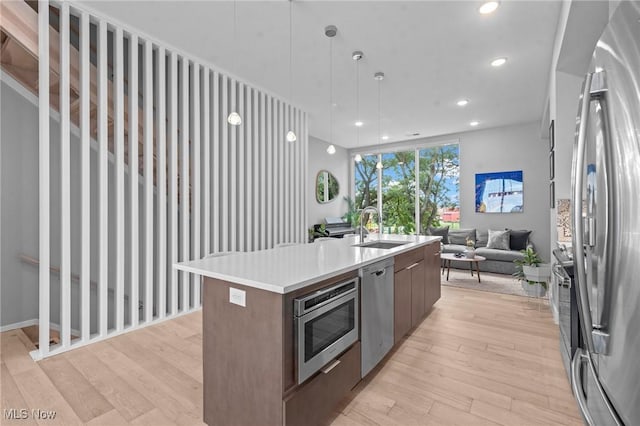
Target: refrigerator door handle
578,360
576,210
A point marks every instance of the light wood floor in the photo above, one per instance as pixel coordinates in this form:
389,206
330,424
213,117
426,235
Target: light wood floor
479,358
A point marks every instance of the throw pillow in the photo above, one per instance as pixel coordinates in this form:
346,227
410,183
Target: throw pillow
498,240
440,232
483,237
460,236
518,240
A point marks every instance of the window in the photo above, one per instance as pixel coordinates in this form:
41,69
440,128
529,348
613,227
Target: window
405,210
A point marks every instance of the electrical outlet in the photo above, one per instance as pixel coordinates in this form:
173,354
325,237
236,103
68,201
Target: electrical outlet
237,297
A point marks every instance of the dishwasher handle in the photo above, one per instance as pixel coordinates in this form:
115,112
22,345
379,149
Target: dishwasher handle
379,273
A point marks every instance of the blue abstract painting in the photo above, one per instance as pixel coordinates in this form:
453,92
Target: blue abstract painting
499,192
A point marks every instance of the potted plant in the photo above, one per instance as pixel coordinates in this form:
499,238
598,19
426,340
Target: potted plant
470,252
532,273
352,214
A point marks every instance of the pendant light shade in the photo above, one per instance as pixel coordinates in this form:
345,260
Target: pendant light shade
331,149
357,158
234,117
379,165
291,136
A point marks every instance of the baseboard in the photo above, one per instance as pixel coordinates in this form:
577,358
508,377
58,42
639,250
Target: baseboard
31,322
20,324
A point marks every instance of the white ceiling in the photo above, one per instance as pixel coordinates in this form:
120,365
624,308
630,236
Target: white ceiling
433,53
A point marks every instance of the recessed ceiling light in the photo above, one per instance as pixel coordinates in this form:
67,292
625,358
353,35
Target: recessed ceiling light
474,123
488,7
385,137
359,123
498,62
462,102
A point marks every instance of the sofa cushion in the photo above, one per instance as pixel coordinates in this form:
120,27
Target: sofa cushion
518,240
460,236
500,255
440,232
482,238
498,240
453,248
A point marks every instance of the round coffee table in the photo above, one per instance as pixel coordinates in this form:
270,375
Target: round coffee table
448,257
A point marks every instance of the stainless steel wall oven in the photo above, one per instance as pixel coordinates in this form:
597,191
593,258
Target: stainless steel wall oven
326,324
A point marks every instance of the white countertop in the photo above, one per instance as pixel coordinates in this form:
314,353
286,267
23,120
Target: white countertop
285,269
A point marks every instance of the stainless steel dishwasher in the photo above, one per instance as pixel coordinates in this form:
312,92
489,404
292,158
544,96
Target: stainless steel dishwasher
376,322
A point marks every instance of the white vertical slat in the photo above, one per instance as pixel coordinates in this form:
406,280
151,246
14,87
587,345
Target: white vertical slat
65,190
173,181
286,146
134,173
103,185
282,195
148,180
250,189
206,162
85,187
161,182
305,161
240,175
263,172
217,125
118,59
233,173
195,175
184,177
270,167
296,177
416,171
302,223
224,161
256,144
43,177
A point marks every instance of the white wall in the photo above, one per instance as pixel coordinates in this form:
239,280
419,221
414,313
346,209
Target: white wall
502,149
338,165
19,216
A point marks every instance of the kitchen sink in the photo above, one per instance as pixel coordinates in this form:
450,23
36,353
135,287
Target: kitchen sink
382,244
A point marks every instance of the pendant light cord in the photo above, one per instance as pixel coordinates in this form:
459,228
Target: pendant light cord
331,91
358,101
290,51
379,140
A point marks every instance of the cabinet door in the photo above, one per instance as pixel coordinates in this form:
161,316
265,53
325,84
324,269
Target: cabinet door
417,292
432,275
401,304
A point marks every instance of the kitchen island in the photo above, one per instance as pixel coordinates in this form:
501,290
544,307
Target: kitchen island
249,333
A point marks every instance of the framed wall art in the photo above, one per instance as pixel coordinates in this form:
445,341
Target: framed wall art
499,192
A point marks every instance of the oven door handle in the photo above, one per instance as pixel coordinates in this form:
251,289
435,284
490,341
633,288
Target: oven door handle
331,366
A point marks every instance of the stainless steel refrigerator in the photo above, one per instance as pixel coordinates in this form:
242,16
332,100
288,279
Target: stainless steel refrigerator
606,223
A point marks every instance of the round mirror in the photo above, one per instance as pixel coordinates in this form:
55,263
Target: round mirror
327,187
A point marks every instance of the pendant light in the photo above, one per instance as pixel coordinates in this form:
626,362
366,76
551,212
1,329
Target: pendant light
379,76
234,118
357,55
291,135
331,31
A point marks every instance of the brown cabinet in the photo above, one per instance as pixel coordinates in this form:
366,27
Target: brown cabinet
432,275
409,292
401,304
417,292
313,402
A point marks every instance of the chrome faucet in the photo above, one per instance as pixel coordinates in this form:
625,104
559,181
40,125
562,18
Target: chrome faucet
362,213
